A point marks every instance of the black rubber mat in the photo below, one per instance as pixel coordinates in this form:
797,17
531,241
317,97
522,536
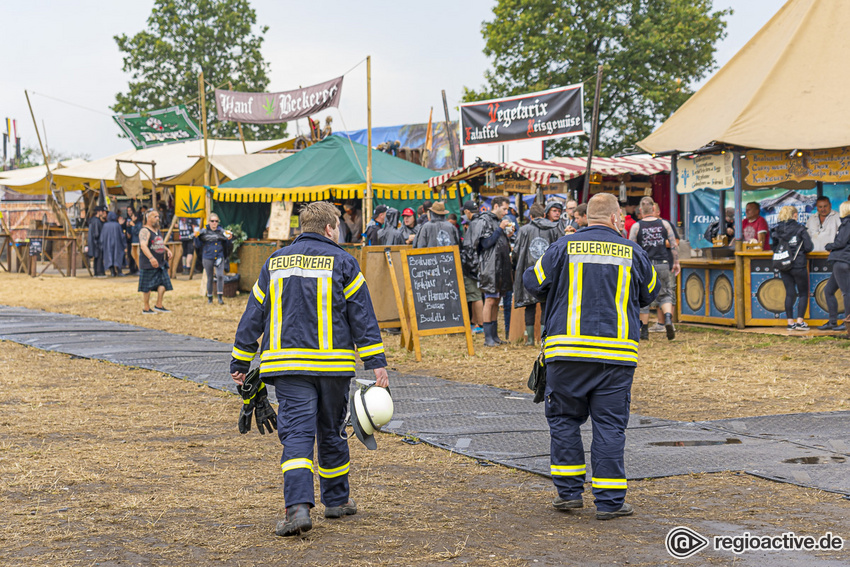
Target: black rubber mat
489,424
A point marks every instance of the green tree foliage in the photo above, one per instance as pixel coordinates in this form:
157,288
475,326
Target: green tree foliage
651,50
185,37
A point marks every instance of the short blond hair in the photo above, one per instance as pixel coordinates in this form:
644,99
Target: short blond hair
316,216
787,213
844,209
601,206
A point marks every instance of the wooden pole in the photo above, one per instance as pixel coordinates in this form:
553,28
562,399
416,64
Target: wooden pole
241,135
594,125
202,94
367,212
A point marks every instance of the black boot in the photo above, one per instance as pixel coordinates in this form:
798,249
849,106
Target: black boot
489,332
220,299
297,521
644,332
668,324
209,299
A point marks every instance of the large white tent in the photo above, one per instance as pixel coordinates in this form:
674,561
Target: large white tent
785,89
171,160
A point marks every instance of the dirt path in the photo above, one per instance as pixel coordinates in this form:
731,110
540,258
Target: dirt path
703,374
105,465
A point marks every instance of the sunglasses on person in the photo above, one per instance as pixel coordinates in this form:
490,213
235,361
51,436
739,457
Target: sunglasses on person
213,221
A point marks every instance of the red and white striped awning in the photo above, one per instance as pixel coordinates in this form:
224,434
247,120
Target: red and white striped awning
475,170
542,171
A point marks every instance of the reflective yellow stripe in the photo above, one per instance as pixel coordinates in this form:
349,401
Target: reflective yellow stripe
292,464
624,293
553,340
568,470
309,366
242,355
584,344
320,315
274,341
651,285
575,293
352,288
591,353
296,353
259,295
538,271
329,312
615,483
333,473
371,350
324,312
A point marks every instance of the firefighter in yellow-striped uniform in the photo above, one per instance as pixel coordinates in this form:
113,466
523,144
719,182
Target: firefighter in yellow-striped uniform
594,282
312,308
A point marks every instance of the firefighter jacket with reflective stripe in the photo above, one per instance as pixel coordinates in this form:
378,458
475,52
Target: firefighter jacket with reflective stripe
313,309
594,282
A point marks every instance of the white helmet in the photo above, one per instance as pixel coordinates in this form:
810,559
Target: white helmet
371,409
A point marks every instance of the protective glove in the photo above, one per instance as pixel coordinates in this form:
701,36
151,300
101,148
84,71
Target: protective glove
264,412
255,397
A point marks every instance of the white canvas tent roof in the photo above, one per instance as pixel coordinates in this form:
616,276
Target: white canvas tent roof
171,160
33,180
225,168
785,89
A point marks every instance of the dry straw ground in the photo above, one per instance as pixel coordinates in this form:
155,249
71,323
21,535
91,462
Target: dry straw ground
703,374
101,464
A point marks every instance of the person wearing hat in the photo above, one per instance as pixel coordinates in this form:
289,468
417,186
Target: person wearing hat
94,249
409,227
379,216
437,231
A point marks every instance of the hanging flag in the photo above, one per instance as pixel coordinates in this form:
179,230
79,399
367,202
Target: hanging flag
271,108
189,201
158,127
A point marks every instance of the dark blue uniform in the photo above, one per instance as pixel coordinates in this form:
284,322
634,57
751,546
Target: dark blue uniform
594,283
313,309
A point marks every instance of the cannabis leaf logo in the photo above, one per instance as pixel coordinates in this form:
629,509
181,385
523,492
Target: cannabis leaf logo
269,106
193,206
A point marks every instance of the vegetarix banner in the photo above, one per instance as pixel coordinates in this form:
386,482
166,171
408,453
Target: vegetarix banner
536,116
269,108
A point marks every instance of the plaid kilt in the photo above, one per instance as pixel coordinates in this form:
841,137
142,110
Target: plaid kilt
150,280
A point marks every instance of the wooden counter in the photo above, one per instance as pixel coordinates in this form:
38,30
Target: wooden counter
746,291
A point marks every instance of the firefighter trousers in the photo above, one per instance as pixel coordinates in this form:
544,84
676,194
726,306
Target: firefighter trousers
574,391
312,411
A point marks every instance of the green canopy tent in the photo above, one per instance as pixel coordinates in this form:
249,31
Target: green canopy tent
333,169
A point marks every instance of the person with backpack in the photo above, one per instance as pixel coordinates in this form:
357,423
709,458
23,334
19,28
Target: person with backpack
791,242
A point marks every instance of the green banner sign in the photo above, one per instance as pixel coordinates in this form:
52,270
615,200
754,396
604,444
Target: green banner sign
158,127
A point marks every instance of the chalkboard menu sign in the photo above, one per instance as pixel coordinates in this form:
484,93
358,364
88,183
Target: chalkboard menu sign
435,293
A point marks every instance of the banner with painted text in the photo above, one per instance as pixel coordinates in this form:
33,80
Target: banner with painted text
158,127
535,116
271,108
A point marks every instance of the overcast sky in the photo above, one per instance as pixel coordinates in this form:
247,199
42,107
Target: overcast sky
66,50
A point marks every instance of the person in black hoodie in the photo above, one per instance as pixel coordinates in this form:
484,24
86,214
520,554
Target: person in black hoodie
839,257
797,241
532,241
